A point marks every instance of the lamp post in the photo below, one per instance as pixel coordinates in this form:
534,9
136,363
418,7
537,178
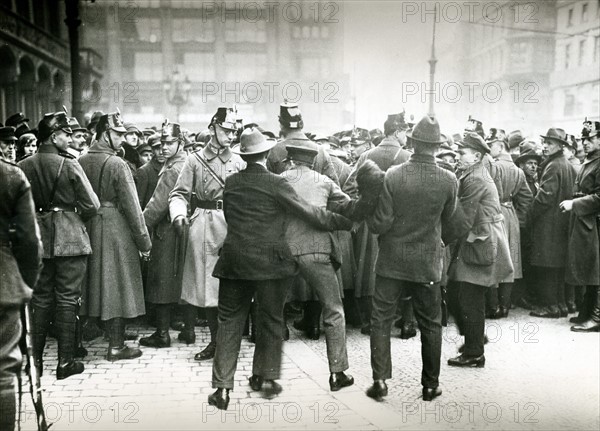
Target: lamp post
177,89
432,63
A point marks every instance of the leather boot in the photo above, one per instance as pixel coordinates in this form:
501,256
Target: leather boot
65,322
40,322
188,335
593,323
161,338
207,353
117,349
80,351
586,306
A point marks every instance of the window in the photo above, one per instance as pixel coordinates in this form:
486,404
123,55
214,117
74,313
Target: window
567,56
193,30
584,12
245,31
569,105
570,18
199,66
148,66
581,52
242,67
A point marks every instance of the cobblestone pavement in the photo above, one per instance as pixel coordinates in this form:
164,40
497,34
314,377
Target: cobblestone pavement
538,376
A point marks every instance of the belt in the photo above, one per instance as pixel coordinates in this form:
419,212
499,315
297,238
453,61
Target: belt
507,204
108,205
58,208
210,205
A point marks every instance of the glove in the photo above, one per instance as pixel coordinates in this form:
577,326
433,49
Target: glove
179,224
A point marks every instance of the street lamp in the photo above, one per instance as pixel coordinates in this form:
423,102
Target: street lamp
177,88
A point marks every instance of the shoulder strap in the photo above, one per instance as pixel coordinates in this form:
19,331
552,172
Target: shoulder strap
100,177
217,178
53,192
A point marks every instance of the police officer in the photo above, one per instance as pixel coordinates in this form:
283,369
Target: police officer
64,200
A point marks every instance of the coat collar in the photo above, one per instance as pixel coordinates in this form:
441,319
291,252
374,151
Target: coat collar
297,135
505,157
101,147
209,153
255,167
389,142
471,169
179,157
422,158
590,159
48,149
551,157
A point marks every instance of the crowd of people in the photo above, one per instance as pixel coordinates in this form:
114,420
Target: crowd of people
236,224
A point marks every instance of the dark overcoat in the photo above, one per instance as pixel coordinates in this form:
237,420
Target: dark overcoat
146,179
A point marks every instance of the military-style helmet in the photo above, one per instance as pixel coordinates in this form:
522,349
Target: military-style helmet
225,118
475,126
53,122
112,121
290,115
170,132
590,129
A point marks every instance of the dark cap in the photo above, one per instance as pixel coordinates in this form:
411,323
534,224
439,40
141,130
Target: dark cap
334,142
15,119
7,134
132,128
301,154
514,139
154,140
474,141
53,122
290,116
143,147
394,123
359,136
527,150
226,118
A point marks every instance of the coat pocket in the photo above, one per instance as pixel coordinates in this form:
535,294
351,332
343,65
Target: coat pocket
480,249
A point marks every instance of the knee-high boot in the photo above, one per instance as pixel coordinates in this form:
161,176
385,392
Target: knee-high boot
65,322
593,323
212,316
117,350
160,338
586,306
188,334
41,323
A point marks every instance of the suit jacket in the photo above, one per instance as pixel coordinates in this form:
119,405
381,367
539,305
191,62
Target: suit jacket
63,233
20,242
146,179
278,154
549,225
257,205
417,200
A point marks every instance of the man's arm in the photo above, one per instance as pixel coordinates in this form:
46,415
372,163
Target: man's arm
383,218
589,204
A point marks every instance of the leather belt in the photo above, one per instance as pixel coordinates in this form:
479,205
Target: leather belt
210,205
58,208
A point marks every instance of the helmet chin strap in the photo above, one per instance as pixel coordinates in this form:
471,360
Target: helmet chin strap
110,141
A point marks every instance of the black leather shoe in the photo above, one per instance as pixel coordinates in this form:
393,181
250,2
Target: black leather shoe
270,388
494,314
131,336
378,390
219,399
587,326
546,312
430,393
256,382
187,336
467,361
340,380
462,347
207,353
119,353
178,325
157,340
578,319
313,333
563,310
408,331
68,369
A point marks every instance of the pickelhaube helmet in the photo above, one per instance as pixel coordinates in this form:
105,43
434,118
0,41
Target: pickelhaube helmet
112,121
475,126
170,132
226,118
290,115
590,129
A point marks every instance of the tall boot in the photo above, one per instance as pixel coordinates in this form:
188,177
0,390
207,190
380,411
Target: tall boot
117,349
41,322
161,338
188,334
593,323
65,322
586,306
313,320
212,315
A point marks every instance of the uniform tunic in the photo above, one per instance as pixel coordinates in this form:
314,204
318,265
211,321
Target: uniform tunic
583,264
207,226
166,263
114,283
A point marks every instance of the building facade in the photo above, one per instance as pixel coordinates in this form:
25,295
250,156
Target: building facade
575,81
182,59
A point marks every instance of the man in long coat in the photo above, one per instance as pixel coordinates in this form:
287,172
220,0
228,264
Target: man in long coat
20,266
482,257
550,226
165,266
113,289
64,200
411,253
514,204
388,153
146,177
199,190
583,256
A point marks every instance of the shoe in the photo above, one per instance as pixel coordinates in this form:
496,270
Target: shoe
270,388
123,353
378,390
587,326
219,399
577,319
430,393
340,380
467,361
313,333
546,312
571,307
207,353
366,329
177,325
158,340
187,336
563,310
256,382
524,303
80,352
494,314
67,369
408,331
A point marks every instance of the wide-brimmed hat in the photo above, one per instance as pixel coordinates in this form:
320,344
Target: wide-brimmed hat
301,154
253,142
527,151
53,122
225,118
474,141
8,134
514,139
427,131
556,134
